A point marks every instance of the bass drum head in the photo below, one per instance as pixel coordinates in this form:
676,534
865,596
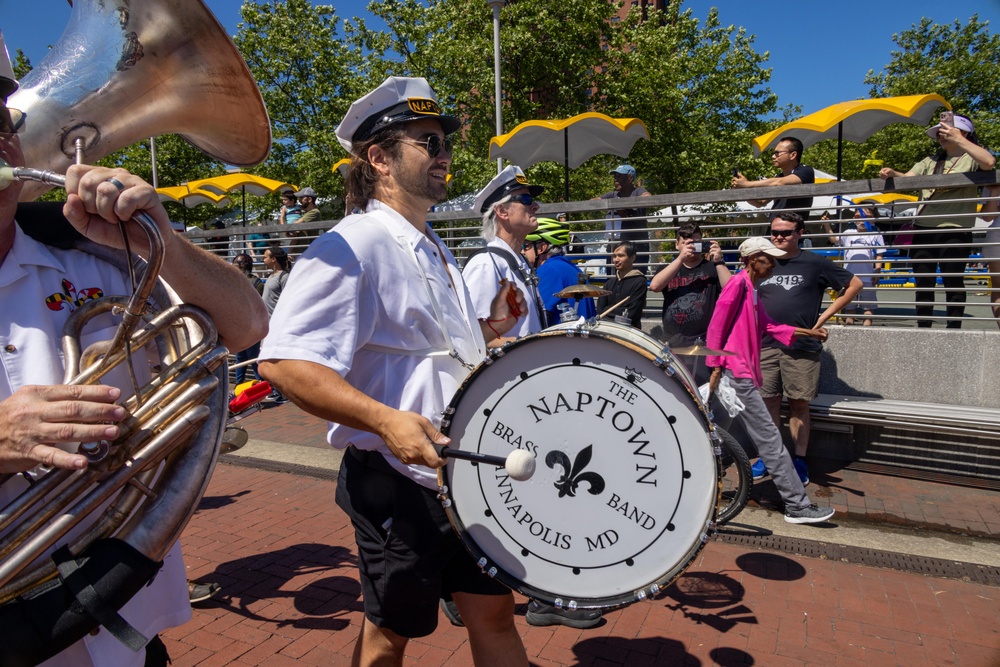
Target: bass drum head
625,487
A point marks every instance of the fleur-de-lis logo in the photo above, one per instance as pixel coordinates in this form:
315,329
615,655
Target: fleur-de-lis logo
70,298
572,477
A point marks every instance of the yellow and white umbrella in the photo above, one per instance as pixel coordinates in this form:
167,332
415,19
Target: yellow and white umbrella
854,121
572,141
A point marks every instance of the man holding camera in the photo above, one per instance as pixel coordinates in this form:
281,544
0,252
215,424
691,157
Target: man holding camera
691,285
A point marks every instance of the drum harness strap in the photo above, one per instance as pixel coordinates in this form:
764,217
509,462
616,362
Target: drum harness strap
435,306
529,277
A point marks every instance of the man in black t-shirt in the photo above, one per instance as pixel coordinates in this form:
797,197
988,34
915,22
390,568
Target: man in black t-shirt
793,295
787,157
691,284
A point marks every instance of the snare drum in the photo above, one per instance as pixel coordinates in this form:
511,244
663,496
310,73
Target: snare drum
625,488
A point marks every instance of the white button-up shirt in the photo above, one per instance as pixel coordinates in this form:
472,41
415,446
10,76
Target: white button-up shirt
40,287
357,302
483,274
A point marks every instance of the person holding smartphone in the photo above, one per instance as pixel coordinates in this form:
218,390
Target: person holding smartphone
952,214
691,284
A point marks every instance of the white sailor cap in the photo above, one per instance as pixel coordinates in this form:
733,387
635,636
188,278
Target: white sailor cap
508,180
398,99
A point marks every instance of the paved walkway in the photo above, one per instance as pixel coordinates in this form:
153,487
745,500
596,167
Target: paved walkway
284,554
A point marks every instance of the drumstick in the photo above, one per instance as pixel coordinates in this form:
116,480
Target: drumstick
519,464
601,316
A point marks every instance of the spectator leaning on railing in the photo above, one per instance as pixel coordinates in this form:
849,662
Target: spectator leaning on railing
787,157
959,152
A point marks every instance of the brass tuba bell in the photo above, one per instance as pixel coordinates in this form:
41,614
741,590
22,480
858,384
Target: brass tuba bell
125,70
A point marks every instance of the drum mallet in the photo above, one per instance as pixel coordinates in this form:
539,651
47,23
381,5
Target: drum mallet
519,464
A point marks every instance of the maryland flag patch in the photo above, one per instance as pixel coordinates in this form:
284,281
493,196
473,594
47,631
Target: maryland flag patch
70,297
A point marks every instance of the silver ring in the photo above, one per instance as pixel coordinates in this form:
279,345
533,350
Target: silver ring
115,182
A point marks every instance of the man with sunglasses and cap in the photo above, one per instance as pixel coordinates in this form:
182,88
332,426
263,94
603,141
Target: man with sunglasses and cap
793,295
508,207
375,332
43,420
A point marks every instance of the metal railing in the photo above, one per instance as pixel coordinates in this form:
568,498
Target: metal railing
723,217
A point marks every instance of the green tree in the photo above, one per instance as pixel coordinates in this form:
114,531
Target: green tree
308,73
701,88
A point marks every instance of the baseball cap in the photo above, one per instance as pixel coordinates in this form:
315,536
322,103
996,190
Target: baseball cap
508,180
306,192
8,82
397,100
756,244
961,122
623,169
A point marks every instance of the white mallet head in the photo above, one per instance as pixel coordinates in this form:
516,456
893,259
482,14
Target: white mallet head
520,465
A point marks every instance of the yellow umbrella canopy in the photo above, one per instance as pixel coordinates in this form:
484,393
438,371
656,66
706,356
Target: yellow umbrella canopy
572,141
855,121
182,194
343,166
255,185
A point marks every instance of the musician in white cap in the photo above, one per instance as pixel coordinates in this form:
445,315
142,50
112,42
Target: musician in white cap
508,207
374,332
43,420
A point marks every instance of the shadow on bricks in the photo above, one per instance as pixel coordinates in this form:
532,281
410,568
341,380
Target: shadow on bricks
215,502
711,598
308,586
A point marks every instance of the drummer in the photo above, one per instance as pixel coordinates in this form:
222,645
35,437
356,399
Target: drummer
374,332
508,207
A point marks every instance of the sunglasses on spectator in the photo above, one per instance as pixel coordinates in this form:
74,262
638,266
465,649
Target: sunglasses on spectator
783,232
11,120
525,199
433,144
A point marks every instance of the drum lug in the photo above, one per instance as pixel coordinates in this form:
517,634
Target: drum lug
448,411
445,423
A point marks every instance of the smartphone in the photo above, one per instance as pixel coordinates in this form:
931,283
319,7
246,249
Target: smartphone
736,172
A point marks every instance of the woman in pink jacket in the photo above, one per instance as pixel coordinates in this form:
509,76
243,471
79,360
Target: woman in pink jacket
737,325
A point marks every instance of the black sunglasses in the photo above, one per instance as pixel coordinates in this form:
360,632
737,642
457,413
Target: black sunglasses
783,232
433,144
11,120
524,198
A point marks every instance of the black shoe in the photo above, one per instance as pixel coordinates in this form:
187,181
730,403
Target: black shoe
450,610
544,614
202,592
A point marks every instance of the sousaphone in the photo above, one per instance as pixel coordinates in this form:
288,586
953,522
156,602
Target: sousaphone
124,70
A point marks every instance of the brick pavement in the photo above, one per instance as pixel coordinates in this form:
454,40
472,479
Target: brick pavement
285,556
855,495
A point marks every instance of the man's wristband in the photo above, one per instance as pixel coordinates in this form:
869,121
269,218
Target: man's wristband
719,262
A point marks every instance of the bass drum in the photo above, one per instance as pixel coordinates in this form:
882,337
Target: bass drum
626,484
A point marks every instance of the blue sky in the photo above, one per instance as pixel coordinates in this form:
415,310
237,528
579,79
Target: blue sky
820,51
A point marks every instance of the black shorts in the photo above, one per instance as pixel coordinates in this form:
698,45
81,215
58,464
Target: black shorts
408,554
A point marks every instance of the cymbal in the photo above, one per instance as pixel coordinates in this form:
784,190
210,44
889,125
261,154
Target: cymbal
580,291
699,350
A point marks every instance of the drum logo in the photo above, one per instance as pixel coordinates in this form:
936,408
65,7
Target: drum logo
573,476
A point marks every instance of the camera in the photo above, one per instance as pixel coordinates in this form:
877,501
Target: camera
698,245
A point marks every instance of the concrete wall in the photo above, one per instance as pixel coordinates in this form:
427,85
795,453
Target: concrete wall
937,365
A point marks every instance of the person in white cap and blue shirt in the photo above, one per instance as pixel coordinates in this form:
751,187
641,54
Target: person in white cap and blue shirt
375,332
43,420
508,207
